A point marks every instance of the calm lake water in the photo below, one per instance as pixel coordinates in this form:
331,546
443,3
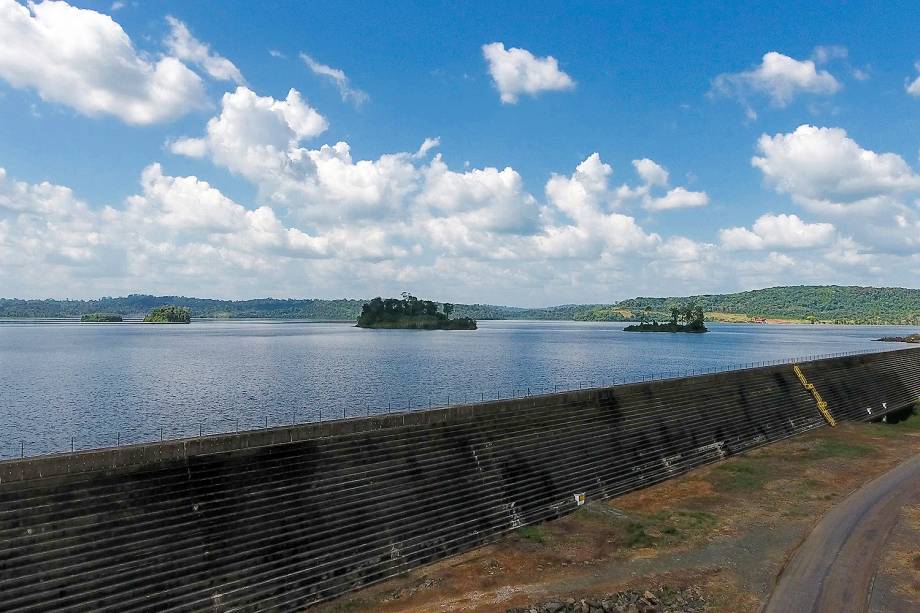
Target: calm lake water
105,384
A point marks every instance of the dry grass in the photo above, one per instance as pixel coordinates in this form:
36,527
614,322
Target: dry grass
901,562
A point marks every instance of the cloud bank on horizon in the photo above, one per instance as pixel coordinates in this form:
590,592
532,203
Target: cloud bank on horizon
317,219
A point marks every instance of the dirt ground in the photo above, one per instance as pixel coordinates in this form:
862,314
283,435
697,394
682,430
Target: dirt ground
725,529
897,582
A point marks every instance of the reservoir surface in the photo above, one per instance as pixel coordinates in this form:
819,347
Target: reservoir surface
95,385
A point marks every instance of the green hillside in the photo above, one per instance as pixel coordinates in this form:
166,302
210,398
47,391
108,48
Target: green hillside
831,303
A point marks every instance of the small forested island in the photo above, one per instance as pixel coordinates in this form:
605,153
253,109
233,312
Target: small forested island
910,338
691,315
169,315
100,318
410,313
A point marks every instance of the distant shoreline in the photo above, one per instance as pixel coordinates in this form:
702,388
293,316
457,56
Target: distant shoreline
351,322
828,304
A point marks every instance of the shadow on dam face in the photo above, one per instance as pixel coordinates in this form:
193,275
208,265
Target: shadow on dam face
284,518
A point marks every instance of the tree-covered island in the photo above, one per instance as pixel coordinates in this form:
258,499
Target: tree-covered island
100,318
691,316
410,313
169,315
910,338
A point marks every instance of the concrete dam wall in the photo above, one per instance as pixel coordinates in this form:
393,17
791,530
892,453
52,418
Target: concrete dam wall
279,519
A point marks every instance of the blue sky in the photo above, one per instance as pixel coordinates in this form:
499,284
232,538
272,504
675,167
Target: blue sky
114,183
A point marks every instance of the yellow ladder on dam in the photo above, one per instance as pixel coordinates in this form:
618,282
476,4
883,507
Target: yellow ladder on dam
822,405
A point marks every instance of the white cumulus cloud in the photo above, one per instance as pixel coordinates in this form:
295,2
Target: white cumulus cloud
677,198
484,199
823,166
778,77
778,231
339,78
427,145
651,172
186,47
85,60
826,53
517,71
583,197
913,87
656,177
253,135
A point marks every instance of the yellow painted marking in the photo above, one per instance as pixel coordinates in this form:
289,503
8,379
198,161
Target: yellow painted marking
822,406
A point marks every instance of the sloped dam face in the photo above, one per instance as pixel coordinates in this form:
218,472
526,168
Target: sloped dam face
283,518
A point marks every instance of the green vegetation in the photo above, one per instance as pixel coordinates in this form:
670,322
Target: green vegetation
535,534
741,475
911,338
831,304
667,527
639,530
168,315
834,448
138,305
412,314
691,315
100,318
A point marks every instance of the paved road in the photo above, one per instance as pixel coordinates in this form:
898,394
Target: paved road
833,570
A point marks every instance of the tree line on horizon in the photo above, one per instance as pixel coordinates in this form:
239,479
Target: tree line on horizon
837,304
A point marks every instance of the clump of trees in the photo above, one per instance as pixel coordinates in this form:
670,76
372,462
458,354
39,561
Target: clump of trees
100,318
169,315
411,313
685,318
910,338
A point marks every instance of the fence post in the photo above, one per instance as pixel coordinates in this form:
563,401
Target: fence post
118,439
199,429
161,434
71,444
22,449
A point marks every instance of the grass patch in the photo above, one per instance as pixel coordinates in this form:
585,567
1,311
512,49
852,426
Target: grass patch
834,448
740,475
664,528
797,511
534,534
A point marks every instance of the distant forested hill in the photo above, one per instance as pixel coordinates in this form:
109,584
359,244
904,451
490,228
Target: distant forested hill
829,303
491,311
822,303
138,305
